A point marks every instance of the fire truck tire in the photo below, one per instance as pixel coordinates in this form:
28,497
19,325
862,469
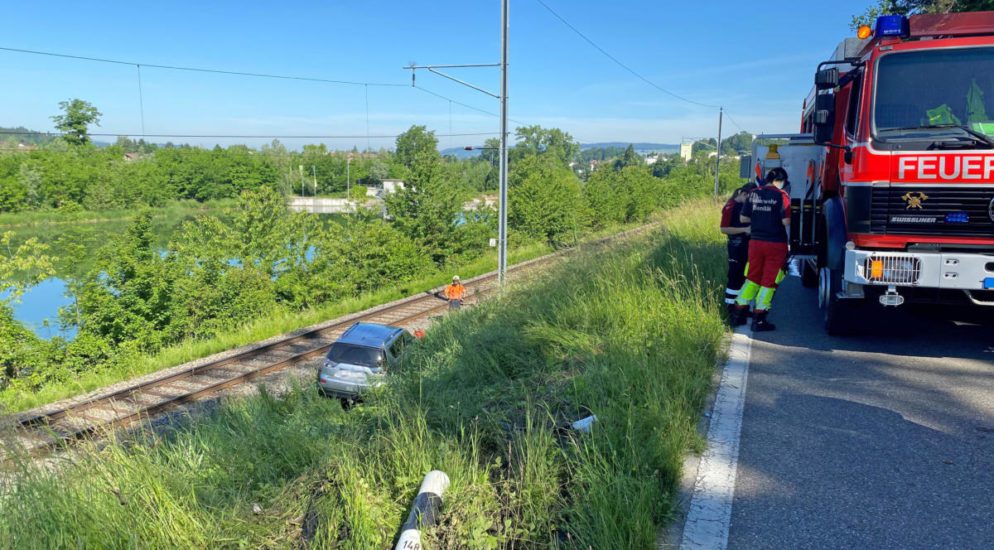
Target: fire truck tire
837,313
809,275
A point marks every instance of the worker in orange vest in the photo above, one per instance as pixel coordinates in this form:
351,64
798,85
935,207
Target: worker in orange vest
454,293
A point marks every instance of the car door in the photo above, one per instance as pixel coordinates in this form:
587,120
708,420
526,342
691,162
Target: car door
399,345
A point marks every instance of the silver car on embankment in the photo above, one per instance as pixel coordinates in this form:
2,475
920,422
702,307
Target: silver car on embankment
359,360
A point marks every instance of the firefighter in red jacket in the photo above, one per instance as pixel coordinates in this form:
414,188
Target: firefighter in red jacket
767,211
738,244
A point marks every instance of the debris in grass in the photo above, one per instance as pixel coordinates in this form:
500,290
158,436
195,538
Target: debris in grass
585,424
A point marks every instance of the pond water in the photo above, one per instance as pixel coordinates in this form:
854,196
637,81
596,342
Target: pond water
39,308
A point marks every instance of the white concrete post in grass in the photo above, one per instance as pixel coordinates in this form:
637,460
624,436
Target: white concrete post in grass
424,511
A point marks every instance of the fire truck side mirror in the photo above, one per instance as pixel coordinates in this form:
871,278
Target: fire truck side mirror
824,118
827,79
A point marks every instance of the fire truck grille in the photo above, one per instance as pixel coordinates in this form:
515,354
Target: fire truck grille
961,211
892,269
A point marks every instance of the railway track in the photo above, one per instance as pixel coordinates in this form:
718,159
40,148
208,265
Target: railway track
49,429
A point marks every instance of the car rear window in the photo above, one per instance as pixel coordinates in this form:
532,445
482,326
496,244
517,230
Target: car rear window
355,355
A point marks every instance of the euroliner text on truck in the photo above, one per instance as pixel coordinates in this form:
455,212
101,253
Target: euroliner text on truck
892,177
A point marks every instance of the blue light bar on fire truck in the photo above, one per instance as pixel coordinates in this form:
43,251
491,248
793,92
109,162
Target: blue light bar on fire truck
892,25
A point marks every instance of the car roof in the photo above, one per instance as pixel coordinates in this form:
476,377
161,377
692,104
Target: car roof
369,334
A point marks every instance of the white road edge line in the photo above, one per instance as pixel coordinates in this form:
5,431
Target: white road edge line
710,513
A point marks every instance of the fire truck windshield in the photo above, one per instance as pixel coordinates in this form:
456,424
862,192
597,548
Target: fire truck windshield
928,93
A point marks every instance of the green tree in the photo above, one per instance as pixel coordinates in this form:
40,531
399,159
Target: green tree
545,200
415,146
127,298
75,120
602,192
368,256
911,7
628,158
20,267
708,144
535,140
740,143
490,156
427,209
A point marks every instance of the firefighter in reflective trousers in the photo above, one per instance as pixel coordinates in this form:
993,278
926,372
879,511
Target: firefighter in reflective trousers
738,244
767,211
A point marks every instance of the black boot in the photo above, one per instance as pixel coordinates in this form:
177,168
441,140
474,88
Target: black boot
760,324
738,316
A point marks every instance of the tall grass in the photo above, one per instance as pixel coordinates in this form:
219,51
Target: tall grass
630,334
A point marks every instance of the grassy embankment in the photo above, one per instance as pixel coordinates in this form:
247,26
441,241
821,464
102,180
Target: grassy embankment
631,334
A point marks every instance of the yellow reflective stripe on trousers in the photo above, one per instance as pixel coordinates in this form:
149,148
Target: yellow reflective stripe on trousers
748,292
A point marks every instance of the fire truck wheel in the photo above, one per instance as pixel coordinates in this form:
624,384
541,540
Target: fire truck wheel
809,275
838,313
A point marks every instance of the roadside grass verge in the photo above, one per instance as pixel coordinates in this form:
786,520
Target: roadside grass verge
630,334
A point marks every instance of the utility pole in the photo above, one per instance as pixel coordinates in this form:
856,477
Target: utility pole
502,96
502,231
717,164
348,178
314,174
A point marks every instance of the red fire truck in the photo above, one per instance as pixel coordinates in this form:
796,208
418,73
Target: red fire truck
892,177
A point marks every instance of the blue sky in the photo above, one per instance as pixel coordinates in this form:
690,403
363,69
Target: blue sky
755,58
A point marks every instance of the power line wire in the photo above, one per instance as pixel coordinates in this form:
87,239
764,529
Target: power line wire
204,70
736,124
139,66
365,85
619,62
477,109
449,99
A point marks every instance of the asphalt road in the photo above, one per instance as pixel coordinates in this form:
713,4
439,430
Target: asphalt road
884,440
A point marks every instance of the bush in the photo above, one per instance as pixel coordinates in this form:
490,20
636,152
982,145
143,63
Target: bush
545,200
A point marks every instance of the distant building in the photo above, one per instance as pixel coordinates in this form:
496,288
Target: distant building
687,151
652,159
392,186
384,188
713,154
